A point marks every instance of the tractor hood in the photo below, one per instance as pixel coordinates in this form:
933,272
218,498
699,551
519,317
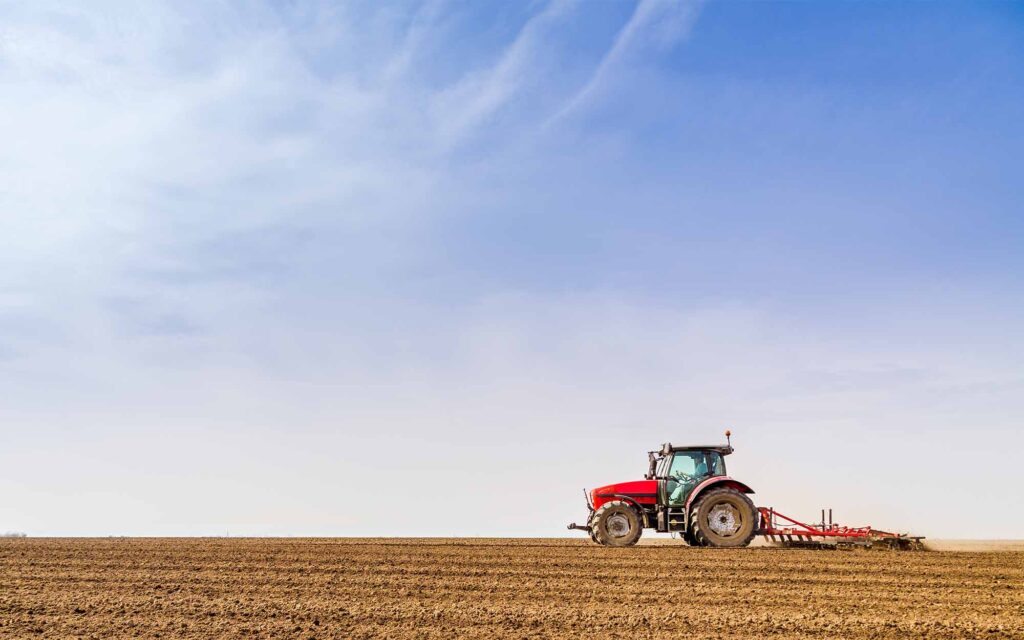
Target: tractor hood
641,491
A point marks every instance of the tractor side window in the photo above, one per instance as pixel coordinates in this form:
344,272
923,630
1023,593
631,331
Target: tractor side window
685,464
697,464
717,464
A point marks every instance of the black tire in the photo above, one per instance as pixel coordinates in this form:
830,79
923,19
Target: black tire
723,517
690,539
616,524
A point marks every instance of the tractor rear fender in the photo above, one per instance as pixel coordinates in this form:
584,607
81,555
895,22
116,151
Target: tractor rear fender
717,481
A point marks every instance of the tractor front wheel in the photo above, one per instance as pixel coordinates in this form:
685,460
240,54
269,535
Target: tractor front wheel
616,524
723,518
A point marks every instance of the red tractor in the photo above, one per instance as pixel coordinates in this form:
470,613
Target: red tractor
685,490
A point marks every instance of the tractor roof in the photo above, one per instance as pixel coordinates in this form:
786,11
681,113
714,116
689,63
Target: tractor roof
723,449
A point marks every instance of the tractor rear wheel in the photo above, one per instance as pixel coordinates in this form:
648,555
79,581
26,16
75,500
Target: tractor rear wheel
723,518
616,524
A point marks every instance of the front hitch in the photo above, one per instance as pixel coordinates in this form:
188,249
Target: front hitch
590,507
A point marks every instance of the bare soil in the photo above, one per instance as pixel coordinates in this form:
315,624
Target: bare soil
472,588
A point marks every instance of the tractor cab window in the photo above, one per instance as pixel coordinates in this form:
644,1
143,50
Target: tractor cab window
688,464
716,463
688,469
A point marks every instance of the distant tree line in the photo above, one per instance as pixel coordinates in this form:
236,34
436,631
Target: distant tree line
13,534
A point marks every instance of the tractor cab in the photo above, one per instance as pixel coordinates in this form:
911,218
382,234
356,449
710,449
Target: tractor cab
679,470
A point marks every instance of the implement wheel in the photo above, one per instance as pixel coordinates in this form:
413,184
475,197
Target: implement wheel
616,524
723,518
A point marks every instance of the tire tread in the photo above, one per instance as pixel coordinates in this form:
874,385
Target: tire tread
698,532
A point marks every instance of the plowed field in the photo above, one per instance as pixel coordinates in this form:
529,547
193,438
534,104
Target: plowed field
349,588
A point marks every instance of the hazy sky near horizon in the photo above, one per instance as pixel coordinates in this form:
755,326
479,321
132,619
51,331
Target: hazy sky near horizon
430,268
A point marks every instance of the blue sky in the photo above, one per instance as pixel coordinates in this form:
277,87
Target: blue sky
258,258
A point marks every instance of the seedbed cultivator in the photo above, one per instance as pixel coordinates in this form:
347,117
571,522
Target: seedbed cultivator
686,492
793,533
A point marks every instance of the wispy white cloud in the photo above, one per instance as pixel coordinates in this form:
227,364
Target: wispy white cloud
460,109
660,23
426,26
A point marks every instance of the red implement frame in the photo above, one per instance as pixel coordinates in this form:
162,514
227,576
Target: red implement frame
795,533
